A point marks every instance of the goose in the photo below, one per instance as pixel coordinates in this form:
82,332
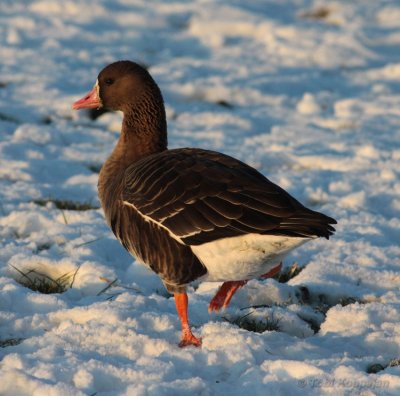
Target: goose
189,213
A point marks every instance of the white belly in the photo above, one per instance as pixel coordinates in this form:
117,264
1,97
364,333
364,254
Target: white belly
245,257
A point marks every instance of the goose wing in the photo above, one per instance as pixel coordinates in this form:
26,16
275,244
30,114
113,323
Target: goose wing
200,196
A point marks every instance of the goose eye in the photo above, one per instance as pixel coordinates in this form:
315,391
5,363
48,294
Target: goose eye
109,81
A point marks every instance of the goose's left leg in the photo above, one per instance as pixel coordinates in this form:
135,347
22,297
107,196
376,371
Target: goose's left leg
273,272
228,289
224,295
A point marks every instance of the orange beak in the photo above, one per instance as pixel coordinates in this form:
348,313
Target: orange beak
90,101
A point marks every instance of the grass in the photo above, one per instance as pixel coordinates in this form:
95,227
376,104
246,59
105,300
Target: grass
10,342
110,284
394,363
377,367
6,117
319,13
344,301
43,283
225,104
304,295
66,205
321,304
88,242
249,323
43,246
288,273
315,326
115,283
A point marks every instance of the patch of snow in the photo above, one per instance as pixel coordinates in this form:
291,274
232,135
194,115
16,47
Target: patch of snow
311,102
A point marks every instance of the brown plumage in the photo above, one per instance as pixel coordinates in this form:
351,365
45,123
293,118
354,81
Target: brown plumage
165,206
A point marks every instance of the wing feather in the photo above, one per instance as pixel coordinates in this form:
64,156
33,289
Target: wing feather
201,196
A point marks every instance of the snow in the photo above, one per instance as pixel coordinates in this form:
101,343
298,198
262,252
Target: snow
305,91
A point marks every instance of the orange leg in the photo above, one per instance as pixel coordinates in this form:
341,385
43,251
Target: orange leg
224,295
228,289
273,272
181,302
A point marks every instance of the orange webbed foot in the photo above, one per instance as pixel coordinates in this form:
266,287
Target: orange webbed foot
189,339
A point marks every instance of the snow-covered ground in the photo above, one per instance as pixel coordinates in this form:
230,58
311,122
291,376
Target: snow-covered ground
306,91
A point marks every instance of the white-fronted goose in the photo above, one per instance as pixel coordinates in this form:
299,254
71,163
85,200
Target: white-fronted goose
190,213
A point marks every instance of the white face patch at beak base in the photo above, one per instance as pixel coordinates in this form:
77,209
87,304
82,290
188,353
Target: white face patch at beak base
91,100
97,86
